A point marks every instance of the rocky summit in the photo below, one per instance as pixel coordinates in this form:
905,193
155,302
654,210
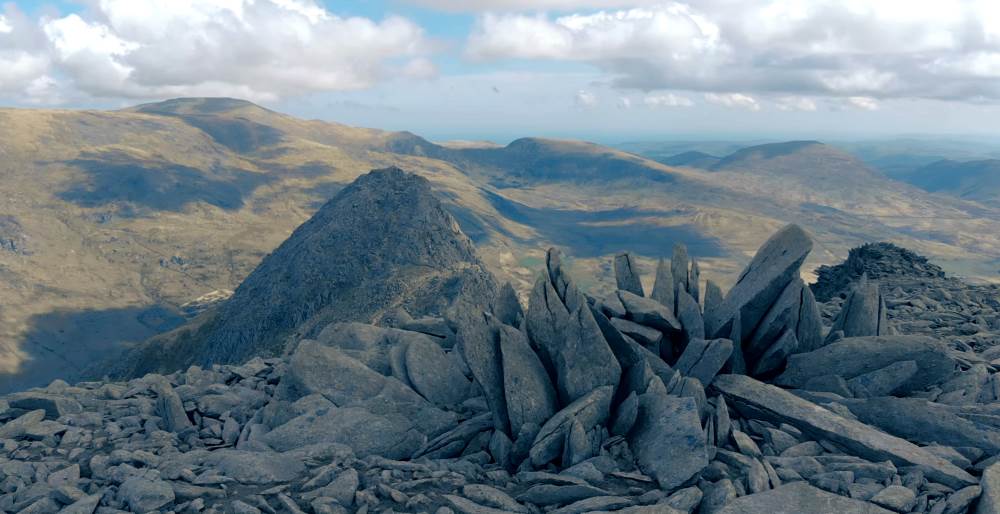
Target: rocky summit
757,400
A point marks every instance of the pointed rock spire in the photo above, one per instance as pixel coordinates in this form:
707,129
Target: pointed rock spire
627,274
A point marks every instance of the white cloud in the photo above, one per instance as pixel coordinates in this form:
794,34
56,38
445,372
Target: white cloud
585,99
667,100
733,100
864,103
796,103
774,48
624,103
528,5
257,49
5,27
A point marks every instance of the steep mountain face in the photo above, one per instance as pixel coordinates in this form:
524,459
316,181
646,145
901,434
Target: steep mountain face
973,180
382,243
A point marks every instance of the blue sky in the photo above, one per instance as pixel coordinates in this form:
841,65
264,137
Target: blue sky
605,70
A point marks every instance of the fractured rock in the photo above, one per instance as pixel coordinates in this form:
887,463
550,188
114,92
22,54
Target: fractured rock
667,439
478,342
649,312
799,498
703,359
863,313
528,391
589,410
434,375
663,288
627,274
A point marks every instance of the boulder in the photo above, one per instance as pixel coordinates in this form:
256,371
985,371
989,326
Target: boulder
368,343
667,439
392,436
646,336
703,359
589,410
775,356
713,297
19,426
144,495
54,405
679,268
627,274
507,308
585,361
663,288
783,315
694,279
546,319
776,263
478,342
863,312
809,331
528,391
169,406
248,467
883,381
854,356
919,420
689,316
757,400
989,500
799,498
649,312
434,375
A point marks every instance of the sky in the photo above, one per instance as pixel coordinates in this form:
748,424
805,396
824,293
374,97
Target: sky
603,70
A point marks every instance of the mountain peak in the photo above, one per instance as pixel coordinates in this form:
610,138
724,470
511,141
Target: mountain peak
196,105
385,241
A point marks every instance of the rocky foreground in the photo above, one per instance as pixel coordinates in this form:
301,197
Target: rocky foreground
680,399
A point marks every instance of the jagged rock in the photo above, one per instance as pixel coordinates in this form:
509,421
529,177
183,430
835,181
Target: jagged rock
810,328
649,312
989,500
85,505
626,415
777,353
762,401
883,381
703,359
528,391
918,420
694,287
783,315
478,342
547,317
863,313
595,504
776,263
667,439
493,497
507,308
895,497
589,410
627,274
17,428
55,406
689,316
646,336
585,361
663,288
455,440
799,498
470,507
679,268
713,297
877,261
434,375
391,435
829,384
143,495
960,500
370,344
851,357
717,496
548,494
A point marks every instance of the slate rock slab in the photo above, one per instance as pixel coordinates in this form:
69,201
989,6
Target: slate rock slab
758,400
799,498
392,436
528,391
434,375
667,439
703,359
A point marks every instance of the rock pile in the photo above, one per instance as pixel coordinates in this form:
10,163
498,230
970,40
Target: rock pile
876,260
675,402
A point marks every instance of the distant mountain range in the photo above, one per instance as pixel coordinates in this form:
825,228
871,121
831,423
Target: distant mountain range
112,220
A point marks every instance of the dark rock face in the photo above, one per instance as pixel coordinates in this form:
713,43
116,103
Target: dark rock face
876,260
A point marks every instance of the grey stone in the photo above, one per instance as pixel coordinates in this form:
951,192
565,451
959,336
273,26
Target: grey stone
762,401
341,488
169,406
55,406
625,416
776,355
612,306
649,312
17,427
434,375
256,467
585,361
466,506
549,494
493,497
85,505
528,391
810,328
667,439
916,419
576,447
663,288
799,498
717,496
829,384
689,316
883,381
960,500
627,274
703,359
679,268
855,356
451,443
782,316
646,336
392,435
694,281
590,410
546,320
507,308
595,504
144,495
366,343
479,344
713,297
776,263
863,313
895,497
989,500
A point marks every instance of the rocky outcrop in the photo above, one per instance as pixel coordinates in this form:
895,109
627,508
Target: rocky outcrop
575,404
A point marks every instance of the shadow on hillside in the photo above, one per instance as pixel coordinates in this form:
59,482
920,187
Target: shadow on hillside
598,233
63,343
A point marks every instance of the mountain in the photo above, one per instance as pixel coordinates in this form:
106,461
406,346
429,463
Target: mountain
694,159
120,225
972,180
383,242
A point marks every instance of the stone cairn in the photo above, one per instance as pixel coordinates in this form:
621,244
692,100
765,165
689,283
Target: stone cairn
684,400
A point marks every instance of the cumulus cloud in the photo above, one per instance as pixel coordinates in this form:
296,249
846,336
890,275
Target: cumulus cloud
667,100
795,103
864,103
528,5
585,99
772,48
733,100
257,49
